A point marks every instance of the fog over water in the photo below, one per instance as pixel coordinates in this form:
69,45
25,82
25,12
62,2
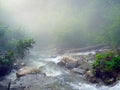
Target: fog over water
41,17
56,25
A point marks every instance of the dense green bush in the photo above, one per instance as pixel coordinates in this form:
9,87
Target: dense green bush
109,61
107,67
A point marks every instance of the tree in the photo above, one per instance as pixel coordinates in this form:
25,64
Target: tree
23,46
110,28
13,44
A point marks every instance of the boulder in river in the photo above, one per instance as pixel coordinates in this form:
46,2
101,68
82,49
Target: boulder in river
85,66
68,62
28,70
90,76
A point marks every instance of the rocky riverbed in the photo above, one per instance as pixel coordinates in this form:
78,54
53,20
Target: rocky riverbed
57,73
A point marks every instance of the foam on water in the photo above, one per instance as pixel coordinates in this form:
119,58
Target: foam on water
37,63
47,65
52,71
84,86
55,60
44,60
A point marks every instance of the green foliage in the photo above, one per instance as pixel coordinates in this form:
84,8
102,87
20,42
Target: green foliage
116,61
23,46
13,44
109,61
96,64
109,65
14,41
100,56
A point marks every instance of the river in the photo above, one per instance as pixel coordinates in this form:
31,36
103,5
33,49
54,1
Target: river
57,78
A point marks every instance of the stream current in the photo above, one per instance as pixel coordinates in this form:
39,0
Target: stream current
57,78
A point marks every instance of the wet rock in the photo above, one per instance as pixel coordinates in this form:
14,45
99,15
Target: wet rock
108,77
105,78
90,76
71,65
68,62
27,70
5,85
78,71
109,81
61,63
118,77
33,82
85,66
18,65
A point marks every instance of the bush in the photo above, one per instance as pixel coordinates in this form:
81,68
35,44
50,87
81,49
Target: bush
23,46
107,61
107,66
8,57
13,44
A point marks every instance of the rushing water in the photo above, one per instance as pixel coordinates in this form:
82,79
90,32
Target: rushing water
58,78
84,86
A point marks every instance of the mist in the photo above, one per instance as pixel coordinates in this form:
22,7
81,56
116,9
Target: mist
43,18
59,44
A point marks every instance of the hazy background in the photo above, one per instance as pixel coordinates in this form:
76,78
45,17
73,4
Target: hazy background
50,20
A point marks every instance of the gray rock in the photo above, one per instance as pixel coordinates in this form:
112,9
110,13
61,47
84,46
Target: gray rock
71,65
78,71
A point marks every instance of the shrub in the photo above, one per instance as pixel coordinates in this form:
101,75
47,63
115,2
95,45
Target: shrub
23,46
106,62
13,44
